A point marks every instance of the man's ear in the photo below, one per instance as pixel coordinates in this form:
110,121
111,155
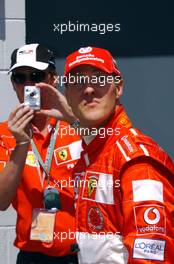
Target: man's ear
119,89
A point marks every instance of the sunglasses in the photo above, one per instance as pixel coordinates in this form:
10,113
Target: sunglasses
21,78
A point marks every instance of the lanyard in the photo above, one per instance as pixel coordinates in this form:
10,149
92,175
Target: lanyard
47,165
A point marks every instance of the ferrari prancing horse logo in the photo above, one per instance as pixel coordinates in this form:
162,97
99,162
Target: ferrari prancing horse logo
92,184
63,154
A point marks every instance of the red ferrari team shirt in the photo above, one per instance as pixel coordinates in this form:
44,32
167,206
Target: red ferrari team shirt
29,194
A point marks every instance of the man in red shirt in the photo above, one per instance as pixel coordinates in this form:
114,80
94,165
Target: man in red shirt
36,163
125,181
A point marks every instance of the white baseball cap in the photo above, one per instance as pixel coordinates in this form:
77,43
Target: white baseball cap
32,55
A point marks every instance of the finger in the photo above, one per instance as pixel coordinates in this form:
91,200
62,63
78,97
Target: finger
14,111
23,118
47,87
23,111
19,114
18,111
51,113
20,129
25,123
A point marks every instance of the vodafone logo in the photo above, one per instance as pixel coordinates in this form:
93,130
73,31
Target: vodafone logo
149,213
150,219
85,50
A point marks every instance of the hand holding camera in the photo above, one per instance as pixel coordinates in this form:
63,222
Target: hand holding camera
19,123
54,103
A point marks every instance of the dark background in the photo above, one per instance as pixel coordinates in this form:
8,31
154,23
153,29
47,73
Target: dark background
146,26
144,48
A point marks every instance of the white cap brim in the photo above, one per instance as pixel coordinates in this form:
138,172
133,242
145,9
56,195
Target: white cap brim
37,65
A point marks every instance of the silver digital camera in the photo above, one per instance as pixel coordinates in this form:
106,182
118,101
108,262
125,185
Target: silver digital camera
32,97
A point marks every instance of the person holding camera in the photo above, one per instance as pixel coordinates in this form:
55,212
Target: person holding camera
35,158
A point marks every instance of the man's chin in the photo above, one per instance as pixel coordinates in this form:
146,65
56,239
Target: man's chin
92,120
